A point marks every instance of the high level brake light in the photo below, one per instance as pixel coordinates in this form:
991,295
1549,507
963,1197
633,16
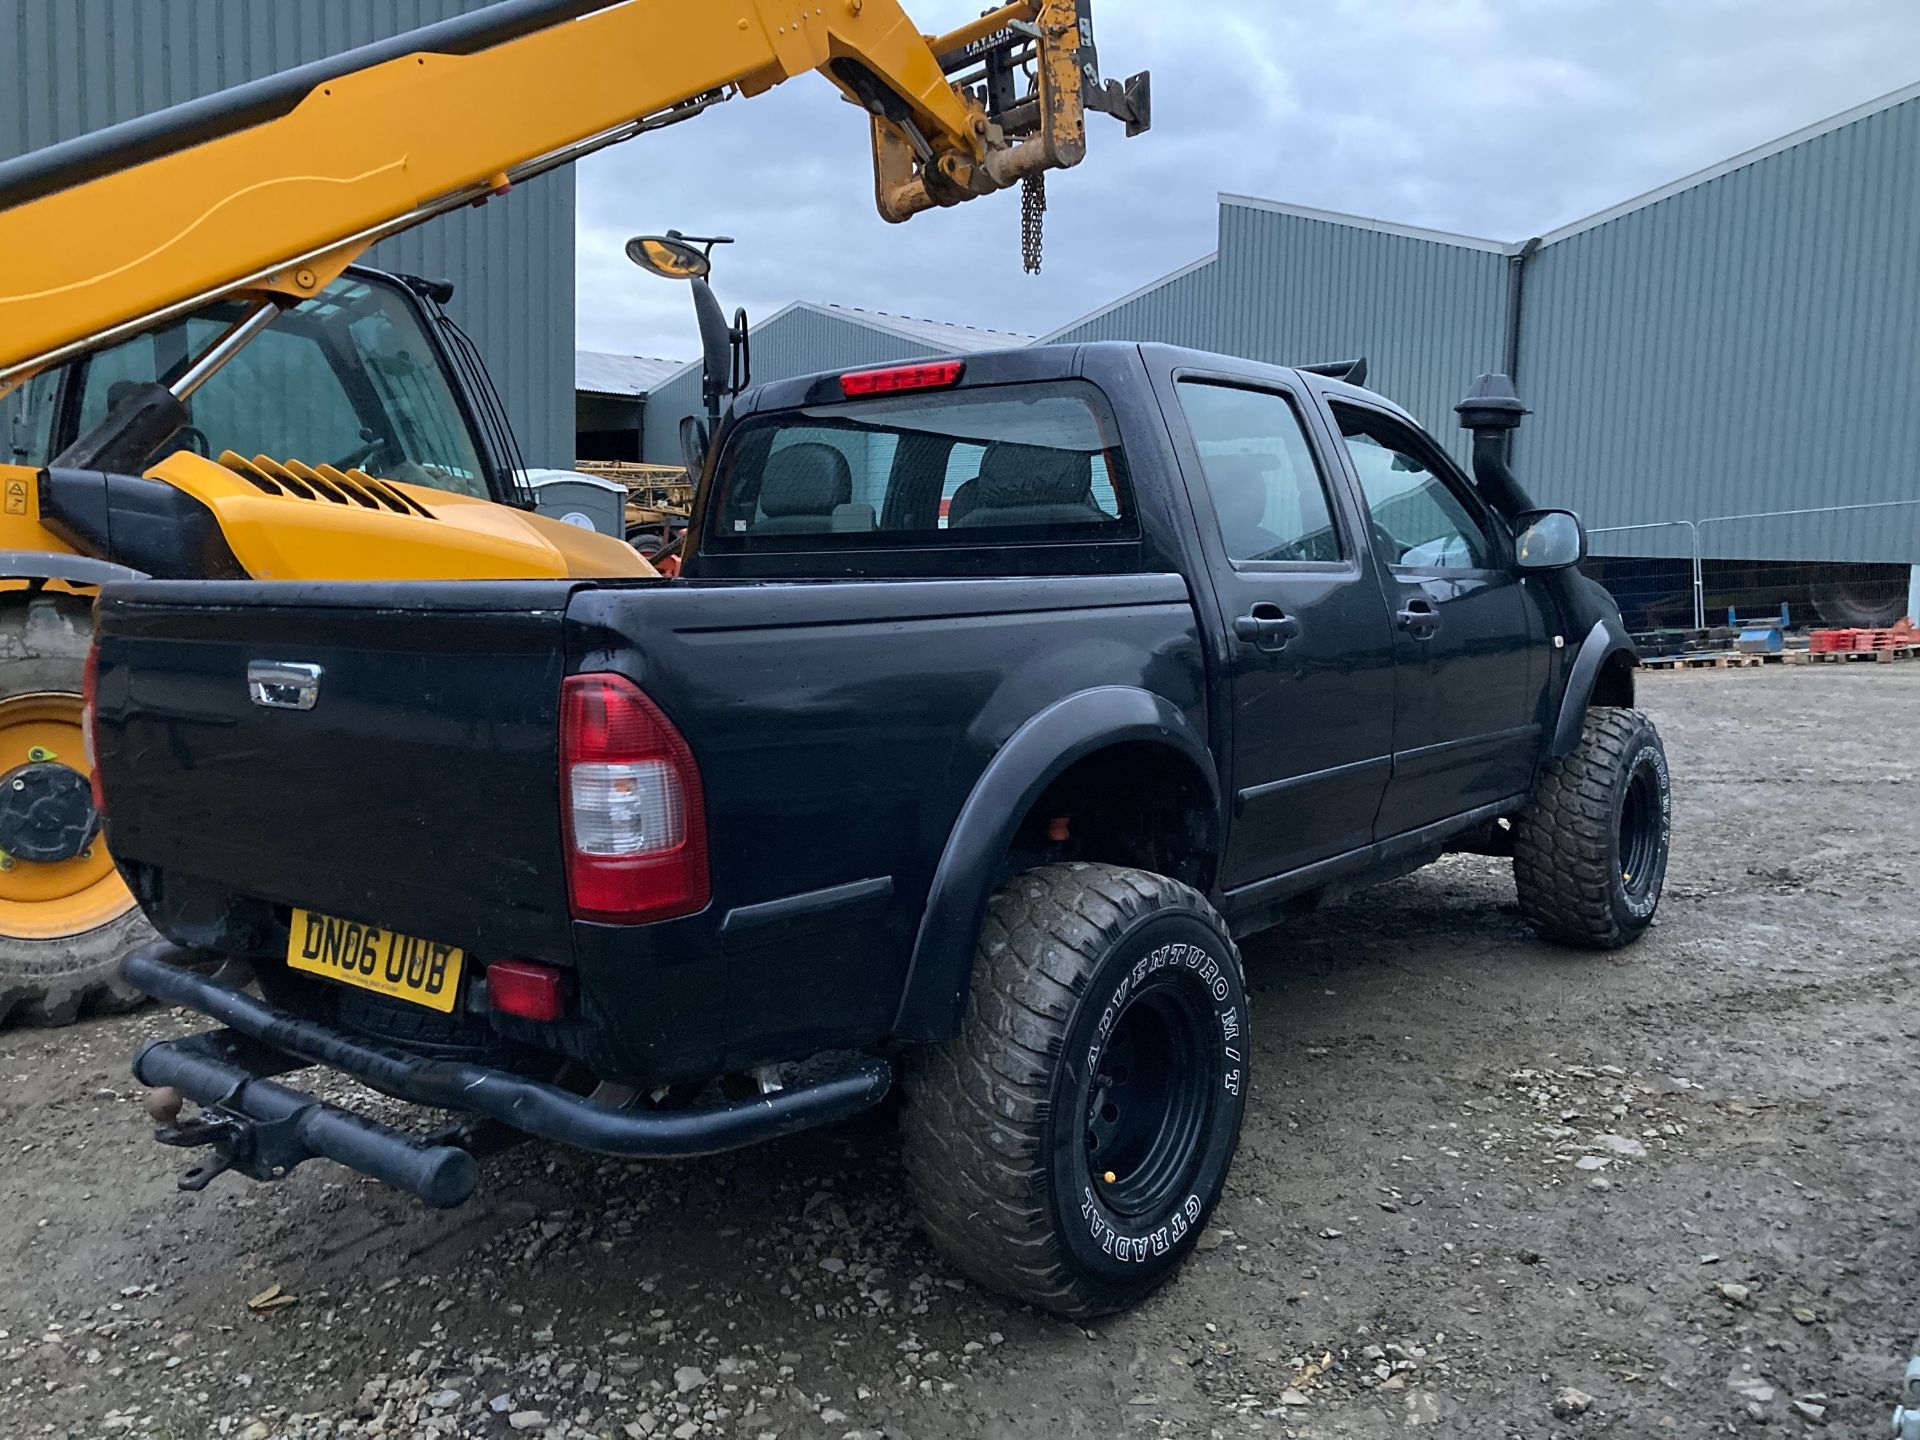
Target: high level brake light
635,819
934,375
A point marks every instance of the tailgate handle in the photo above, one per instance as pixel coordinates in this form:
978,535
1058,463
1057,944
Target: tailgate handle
283,684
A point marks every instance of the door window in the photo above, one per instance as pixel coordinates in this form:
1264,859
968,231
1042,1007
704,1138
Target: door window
1418,522
1269,497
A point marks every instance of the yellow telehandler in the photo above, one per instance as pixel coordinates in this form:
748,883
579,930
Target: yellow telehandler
216,389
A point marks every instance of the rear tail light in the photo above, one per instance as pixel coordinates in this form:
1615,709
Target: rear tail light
635,821
522,988
89,719
933,375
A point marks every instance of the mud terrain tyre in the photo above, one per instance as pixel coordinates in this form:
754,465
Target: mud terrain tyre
49,976
1105,1036
1590,851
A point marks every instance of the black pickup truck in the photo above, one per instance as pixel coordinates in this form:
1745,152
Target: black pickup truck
997,700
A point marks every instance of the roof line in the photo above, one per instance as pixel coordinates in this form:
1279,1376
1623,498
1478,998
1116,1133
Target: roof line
1367,222
1737,162
880,320
1129,297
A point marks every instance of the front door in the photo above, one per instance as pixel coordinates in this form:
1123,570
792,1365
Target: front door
1470,672
1308,653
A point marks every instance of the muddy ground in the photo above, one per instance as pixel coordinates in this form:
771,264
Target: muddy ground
1425,1227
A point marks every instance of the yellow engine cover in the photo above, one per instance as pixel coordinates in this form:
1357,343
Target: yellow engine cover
285,520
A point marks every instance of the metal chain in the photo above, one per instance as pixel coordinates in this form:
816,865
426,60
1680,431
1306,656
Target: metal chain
1033,211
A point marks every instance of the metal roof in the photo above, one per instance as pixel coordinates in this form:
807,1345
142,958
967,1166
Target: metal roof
595,372
967,339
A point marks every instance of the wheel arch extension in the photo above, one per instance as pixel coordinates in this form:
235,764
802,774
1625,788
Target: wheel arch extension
1602,674
1043,749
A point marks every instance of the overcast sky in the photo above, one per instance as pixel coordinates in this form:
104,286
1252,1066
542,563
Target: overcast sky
1500,118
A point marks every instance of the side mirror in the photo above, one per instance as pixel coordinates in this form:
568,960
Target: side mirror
693,444
1549,540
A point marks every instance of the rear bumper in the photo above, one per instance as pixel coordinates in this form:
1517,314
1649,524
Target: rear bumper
231,1078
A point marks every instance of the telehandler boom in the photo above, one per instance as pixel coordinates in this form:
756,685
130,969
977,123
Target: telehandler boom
218,219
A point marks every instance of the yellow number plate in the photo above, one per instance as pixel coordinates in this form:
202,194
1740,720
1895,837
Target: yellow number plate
422,971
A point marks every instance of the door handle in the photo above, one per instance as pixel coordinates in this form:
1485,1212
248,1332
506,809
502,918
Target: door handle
1266,626
1419,618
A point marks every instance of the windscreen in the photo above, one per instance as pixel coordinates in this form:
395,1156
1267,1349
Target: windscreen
995,465
346,379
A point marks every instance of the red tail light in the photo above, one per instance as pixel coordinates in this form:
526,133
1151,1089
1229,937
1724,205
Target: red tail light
630,792
934,375
89,717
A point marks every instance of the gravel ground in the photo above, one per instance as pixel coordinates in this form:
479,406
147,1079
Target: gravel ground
1485,1187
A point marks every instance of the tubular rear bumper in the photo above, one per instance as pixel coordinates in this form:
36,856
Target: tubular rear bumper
227,1075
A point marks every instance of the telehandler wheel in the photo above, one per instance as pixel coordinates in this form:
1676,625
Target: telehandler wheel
1590,852
1068,1146
66,917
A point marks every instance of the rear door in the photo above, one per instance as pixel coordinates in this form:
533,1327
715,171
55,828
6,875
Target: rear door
1308,653
1470,670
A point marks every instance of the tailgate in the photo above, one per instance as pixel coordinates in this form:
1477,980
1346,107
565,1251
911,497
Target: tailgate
418,792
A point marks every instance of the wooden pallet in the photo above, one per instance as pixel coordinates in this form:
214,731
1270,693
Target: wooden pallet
1885,655
1726,660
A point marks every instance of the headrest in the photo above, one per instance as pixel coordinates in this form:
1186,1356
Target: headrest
805,479
1015,475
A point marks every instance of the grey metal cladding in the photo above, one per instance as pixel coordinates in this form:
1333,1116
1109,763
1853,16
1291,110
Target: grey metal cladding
1750,343
77,65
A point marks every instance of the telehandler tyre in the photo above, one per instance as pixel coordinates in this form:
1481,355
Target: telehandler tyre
66,917
1590,852
1068,1146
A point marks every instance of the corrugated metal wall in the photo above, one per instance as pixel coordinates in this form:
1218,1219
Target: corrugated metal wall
796,341
1290,289
1177,311
1749,344
77,65
1428,315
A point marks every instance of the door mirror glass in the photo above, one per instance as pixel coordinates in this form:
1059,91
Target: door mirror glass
1549,540
693,443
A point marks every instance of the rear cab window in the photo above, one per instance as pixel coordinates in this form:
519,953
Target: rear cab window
991,466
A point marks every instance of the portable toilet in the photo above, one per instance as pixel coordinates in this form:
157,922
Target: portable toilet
590,501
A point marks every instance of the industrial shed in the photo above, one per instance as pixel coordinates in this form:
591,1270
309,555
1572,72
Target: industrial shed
804,337
610,401
77,68
1743,341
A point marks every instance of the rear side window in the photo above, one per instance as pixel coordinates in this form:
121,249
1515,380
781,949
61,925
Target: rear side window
998,465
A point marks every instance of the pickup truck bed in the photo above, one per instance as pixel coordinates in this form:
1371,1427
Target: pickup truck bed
997,698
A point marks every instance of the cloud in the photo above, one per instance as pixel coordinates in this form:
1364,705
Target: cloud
1502,118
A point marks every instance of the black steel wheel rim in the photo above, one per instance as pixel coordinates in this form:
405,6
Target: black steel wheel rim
1640,813
1148,1100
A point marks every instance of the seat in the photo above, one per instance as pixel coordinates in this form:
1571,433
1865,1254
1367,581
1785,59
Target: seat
801,488
1028,485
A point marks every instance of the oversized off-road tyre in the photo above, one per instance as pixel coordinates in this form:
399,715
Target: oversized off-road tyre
1068,1146
1590,851
63,924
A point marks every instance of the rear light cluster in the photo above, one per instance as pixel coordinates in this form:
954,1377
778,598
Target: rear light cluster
89,721
635,820
934,375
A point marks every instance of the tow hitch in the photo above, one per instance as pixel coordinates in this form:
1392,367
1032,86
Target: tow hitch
263,1129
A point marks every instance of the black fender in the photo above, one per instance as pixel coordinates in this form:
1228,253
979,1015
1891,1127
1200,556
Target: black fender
1606,641
934,999
54,565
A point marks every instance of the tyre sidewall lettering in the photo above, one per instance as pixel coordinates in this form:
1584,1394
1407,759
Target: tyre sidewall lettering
1648,752
1166,948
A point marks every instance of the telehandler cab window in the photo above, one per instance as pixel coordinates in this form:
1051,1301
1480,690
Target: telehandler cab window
990,466
346,379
